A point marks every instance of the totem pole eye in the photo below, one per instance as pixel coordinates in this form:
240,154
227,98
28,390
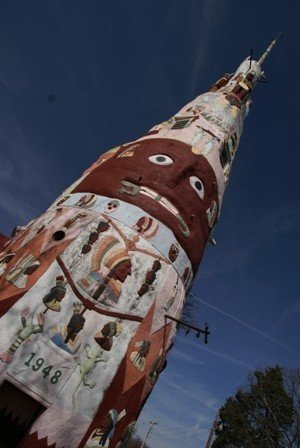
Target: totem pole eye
198,186
161,159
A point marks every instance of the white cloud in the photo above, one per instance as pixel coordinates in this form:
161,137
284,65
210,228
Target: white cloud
195,391
215,353
207,20
286,317
184,357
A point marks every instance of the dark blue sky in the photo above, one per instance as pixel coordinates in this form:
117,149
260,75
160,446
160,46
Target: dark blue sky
78,78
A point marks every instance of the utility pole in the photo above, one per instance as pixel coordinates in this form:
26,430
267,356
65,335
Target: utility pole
211,432
149,432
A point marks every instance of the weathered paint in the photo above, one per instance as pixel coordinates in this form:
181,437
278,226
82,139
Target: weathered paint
86,286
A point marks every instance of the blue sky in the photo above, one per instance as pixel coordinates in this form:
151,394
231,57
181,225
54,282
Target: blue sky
70,70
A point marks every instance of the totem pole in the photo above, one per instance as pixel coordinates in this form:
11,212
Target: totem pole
86,287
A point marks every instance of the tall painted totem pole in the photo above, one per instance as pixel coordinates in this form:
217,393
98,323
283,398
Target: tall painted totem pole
85,287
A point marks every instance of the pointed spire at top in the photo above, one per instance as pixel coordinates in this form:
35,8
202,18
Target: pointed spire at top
268,50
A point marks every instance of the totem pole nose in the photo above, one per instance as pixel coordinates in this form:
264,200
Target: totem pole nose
179,176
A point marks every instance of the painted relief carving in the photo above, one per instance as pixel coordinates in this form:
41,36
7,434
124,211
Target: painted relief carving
110,266
147,285
39,226
173,252
107,262
53,298
25,266
66,226
159,183
146,227
107,155
138,357
67,337
130,215
128,151
105,267
18,230
133,189
4,260
119,269
42,368
211,213
156,369
92,238
112,206
86,201
28,329
104,337
222,114
172,297
94,355
36,324
63,199
186,276
102,435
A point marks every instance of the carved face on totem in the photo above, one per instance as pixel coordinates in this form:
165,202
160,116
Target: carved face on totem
173,252
122,271
167,180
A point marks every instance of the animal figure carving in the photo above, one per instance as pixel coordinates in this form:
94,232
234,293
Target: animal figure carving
86,366
123,243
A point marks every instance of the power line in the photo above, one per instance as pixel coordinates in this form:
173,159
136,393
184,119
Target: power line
245,324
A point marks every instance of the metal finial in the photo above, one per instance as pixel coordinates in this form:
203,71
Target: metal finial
268,50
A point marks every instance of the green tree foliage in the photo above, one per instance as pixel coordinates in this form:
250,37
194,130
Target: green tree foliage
264,414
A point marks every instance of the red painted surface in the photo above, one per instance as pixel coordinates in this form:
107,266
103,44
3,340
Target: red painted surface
171,181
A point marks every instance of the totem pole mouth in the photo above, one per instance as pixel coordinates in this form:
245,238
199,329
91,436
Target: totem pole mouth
132,189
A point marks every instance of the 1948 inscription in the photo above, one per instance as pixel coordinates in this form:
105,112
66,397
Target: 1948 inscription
39,362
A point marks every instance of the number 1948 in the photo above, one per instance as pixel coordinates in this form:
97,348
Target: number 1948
39,362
